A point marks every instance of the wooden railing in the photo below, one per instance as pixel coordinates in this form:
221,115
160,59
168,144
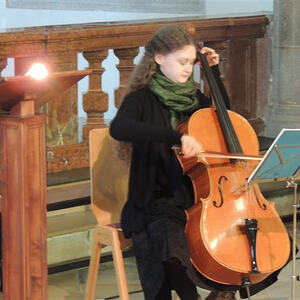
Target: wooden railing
241,42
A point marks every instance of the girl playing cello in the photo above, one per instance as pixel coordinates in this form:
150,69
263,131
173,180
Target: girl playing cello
161,94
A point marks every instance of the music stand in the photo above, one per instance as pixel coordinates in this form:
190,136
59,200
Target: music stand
23,178
282,163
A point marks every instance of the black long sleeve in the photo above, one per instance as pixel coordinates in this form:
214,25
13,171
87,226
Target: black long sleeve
139,119
132,122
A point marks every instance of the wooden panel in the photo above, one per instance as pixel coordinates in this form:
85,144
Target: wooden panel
24,208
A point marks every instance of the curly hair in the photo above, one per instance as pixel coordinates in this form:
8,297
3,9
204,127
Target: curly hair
167,39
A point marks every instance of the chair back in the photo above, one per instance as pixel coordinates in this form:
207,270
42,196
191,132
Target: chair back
109,177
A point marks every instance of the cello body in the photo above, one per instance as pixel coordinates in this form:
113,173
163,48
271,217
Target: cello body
221,247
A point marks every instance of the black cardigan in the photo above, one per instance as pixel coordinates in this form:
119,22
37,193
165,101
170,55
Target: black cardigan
145,122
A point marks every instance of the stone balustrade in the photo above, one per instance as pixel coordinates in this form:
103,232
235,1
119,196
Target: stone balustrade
241,42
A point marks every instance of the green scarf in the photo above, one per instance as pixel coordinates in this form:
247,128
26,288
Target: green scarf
179,98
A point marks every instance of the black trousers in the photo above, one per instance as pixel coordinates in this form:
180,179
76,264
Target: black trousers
176,279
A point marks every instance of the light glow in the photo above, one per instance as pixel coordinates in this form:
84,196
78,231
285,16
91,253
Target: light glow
38,71
213,244
240,206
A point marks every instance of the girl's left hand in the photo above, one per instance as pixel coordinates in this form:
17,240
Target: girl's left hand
212,57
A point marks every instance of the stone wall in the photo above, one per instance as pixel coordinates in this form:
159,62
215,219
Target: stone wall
168,6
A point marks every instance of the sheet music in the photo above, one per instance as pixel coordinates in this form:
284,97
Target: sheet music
282,160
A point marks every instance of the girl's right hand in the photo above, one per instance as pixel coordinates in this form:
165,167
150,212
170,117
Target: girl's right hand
190,146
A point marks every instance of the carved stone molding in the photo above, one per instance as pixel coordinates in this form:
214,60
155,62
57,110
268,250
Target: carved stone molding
67,157
86,37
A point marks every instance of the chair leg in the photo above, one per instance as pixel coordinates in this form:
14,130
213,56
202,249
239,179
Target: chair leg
93,268
119,267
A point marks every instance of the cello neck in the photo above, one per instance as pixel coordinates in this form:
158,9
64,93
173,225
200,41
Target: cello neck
231,139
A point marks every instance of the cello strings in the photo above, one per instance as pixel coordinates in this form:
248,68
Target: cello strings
229,133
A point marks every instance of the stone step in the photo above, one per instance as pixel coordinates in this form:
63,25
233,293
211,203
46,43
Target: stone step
70,234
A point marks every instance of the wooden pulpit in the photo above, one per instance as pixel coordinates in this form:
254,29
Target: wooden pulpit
23,179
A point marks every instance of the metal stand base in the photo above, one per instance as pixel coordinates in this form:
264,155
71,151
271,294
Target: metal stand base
291,184
246,284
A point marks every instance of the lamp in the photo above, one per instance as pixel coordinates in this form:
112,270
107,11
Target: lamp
38,71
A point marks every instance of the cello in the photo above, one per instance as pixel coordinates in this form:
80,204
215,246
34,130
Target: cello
235,236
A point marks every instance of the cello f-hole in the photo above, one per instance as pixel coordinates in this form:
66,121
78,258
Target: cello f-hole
262,206
220,191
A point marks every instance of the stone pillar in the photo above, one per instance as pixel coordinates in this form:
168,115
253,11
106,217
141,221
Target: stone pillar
284,106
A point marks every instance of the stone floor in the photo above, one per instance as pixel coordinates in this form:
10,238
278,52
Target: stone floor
70,285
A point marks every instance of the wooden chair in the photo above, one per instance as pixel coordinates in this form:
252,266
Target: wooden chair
109,185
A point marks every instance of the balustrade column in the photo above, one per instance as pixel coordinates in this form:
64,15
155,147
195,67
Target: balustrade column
125,67
3,64
95,101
